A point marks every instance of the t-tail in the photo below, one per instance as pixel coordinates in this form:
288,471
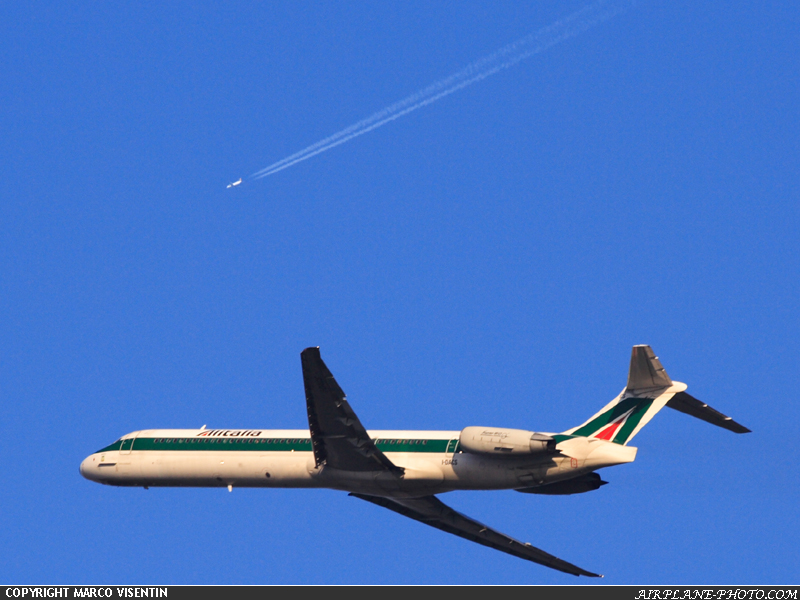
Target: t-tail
649,390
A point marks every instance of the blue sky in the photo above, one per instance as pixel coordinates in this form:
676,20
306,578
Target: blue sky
487,260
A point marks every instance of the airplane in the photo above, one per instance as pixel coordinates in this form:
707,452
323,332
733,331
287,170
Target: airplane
235,183
405,470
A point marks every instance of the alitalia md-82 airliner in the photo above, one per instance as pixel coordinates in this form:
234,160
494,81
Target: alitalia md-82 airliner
404,470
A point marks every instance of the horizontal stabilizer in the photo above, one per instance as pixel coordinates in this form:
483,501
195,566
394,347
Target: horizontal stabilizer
646,370
685,403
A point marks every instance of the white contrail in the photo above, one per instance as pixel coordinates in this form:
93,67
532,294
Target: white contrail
506,57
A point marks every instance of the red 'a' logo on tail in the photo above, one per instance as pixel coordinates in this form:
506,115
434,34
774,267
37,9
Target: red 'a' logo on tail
608,432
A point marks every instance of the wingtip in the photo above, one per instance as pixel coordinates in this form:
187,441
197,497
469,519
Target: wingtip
583,572
590,574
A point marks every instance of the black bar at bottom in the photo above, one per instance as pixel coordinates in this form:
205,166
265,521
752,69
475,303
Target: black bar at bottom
545,592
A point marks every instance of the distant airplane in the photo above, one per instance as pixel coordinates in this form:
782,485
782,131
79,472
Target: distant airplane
403,470
235,183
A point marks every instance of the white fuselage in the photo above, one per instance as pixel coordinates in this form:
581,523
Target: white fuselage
432,461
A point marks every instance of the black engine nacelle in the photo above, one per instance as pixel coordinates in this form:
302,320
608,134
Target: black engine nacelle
578,485
486,440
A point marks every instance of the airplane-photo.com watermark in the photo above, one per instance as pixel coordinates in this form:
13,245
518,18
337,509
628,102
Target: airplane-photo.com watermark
717,594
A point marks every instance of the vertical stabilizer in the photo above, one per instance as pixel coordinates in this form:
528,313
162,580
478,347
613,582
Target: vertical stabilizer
646,370
648,391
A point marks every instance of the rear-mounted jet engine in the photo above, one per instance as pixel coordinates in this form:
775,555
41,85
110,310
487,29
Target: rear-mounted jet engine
487,440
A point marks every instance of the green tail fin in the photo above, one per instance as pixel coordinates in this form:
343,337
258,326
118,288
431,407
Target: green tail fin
648,391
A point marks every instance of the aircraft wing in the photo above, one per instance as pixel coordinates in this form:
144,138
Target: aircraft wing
432,511
338,438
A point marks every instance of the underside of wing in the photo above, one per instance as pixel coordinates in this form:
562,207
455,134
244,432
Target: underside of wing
338,438
432,511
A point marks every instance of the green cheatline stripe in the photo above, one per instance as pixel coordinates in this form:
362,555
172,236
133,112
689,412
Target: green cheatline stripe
599,422
109,448
265,445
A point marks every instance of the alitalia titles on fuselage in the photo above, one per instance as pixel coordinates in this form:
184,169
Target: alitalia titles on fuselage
229,433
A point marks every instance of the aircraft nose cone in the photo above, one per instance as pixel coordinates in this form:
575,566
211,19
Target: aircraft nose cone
86,468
